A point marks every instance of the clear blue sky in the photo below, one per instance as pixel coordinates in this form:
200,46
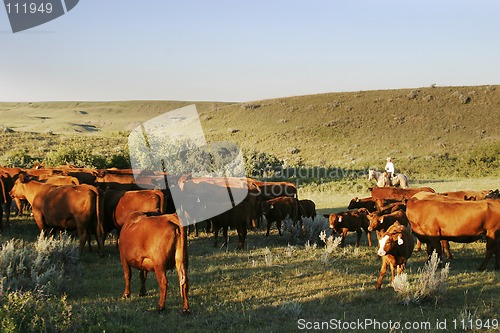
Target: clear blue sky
247,50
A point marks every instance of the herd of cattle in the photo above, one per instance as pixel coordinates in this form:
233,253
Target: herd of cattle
153,232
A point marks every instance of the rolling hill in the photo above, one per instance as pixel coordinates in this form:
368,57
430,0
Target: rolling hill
352,129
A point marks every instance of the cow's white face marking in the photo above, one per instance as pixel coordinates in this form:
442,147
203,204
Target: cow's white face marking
382,243
340,219
400,240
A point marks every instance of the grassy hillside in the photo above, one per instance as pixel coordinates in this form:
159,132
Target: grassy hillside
348,130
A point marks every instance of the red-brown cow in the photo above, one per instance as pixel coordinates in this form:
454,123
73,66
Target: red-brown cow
155,243
367,203
64,208
277,209
395,247
138,201
458,221
467,195
353,220
271,190
379,194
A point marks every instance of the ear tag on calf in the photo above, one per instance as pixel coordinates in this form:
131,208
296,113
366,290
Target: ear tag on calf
400,240
272,206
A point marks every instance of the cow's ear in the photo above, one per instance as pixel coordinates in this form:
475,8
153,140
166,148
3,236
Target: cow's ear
22,178
400,240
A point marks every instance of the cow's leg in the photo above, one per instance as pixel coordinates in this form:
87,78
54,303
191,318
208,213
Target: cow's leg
7,213
161,276
142,276
434,244
83,235
226,237
242,234
126,276
183,283
490,250
369,237
278,225
358,237
344,234
216,235
383,269
269,222
445,245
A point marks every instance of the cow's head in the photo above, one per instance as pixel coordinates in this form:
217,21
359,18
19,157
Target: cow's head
375,221
19,188
335,220
391,239
267,207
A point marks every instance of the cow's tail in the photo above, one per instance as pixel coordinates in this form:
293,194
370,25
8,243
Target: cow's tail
99,207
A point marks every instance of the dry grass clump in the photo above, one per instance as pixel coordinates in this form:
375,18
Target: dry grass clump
430,285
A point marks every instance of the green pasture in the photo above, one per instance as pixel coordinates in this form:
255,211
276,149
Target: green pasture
278,285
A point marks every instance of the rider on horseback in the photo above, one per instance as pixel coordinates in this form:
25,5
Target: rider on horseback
389,168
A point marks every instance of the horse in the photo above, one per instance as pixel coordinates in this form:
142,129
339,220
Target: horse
382,179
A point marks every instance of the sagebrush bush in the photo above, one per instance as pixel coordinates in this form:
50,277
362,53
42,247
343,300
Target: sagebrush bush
309,232
430,285
41,265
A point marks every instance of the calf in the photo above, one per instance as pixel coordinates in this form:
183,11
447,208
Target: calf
307,208
238,217
150,242
395,247
382,223
277,209
353,220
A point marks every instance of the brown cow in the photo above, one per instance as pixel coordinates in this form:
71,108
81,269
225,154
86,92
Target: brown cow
467,195
138,201
271,190
59,180
379,194
367,203
458,221
238,217
277,209
395,247
155,243
353,220
307,208
63,208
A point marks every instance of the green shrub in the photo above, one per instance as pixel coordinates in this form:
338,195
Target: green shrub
19,159
34,311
